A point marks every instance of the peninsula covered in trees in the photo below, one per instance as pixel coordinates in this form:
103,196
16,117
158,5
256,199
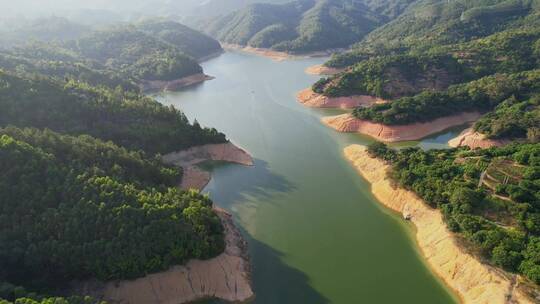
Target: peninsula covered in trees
490,197
125,55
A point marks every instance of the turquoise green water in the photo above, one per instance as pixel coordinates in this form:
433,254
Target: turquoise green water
316,233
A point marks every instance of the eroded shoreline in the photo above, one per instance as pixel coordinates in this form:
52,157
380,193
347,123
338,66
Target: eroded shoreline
473,281
394,133
321,69
226,277
274,55
475,140
309,98
174,85
195,178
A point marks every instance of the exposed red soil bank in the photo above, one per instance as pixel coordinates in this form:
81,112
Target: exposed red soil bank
394,133
195,178
474,140
311,99
225,277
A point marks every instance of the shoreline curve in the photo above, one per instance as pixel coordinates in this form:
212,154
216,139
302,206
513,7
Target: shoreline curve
275,55
473,281
226,277
393,133
196,178
321,69
309,98
173,85
474,140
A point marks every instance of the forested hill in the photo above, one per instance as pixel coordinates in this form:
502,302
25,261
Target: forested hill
428,23
84,194
427,59
297,27
135,53
185,39
76,208
53,61
490,197
125,117
117,55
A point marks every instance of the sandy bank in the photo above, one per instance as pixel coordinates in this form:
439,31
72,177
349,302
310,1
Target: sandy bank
475,140
173,85
473,281
322,70
275,55
195,178
225,277
311,99
394,133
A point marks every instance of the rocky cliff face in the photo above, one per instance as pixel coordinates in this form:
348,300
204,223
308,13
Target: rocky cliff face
394,133
473,281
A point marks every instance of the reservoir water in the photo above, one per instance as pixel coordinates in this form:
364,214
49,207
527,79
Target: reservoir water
316,234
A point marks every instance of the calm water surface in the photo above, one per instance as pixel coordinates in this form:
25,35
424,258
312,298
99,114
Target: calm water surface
316,233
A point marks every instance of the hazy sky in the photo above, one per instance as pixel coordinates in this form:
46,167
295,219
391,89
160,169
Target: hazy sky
48,7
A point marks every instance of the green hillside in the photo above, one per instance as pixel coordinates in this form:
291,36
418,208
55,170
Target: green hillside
490,197
127,118
296,27
135,53
50,60
442,58
80,208
115,56
185,39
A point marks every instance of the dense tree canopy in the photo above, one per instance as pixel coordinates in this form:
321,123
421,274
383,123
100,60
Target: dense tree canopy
299,26
185,39
83,192
127,118
77,208
479,95
115,55
491,197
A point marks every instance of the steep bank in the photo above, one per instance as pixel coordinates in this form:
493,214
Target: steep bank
473,281
314,100
195,178
474,140
394,133
225,277
320,69
173,85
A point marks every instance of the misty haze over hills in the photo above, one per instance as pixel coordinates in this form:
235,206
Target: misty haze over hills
100,11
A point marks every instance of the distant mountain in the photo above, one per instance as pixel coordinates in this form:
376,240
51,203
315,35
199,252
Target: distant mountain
42,29
437,21
299,26
119,55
